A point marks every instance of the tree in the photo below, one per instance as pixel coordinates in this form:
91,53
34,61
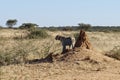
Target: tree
28,26
11,22
84,26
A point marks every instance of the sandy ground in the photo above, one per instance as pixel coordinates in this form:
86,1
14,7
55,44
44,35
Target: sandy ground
75,67
60,71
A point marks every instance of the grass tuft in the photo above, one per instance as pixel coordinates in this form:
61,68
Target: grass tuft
115,53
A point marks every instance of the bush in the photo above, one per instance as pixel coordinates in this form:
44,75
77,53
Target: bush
36,34
52,28
18,54
115,53
84,26
5,59
28,26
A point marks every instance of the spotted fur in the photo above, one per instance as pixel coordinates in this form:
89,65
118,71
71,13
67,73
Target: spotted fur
66,41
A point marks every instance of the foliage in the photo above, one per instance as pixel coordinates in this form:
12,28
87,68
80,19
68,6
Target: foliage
37,34
52,28
22,51
84,26
67,28
28,26
18,54
11,22
106,29
115,53
47,48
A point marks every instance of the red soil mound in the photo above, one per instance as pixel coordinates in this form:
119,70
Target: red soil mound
82,41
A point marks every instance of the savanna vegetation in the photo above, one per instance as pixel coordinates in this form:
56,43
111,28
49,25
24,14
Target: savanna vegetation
19,45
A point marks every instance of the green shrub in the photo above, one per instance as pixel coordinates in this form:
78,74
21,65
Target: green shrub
52,29
115,53
36,34
83,26
28,26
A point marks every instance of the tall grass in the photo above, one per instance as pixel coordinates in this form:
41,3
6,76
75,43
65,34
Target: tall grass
18,53
115,53
22,51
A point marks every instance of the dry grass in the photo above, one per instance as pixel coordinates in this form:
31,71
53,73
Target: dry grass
38,48
104,42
